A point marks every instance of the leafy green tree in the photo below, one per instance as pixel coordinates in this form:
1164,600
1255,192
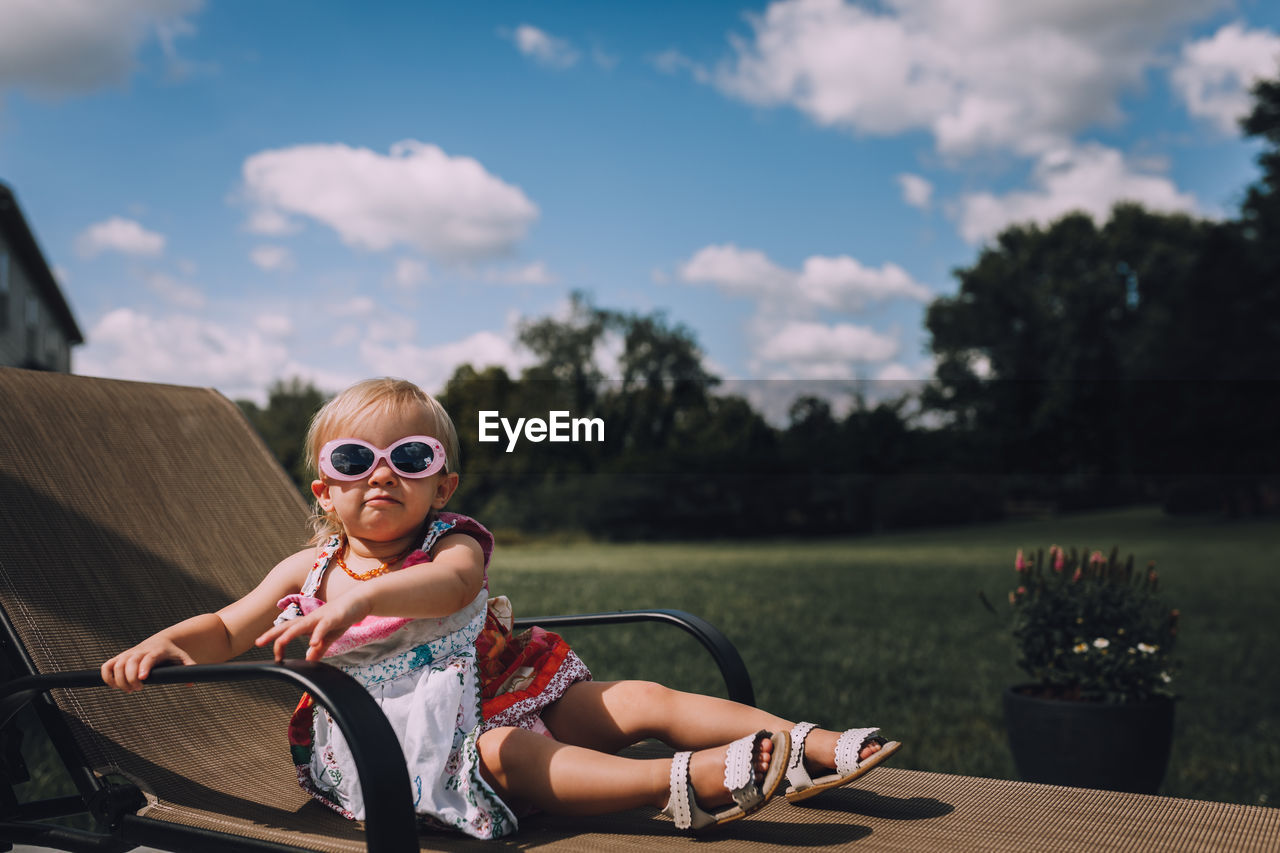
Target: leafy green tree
1147,345
1032,349
282,424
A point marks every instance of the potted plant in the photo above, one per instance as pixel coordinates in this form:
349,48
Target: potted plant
1096,640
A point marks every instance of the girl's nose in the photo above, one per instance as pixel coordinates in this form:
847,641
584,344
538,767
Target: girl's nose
381,473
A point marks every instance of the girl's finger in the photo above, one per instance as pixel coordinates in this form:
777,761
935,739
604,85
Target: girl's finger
319,643
286,636
131,672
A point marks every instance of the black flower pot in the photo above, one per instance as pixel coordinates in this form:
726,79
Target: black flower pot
1117,747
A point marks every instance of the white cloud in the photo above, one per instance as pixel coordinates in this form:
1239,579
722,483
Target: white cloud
976,74
62,47
271,223
118,234
431,366
786,341
916,191
838,283
534,272
274,325
810,350
360,306
417,196
178,293
842,283
747,271
897,372
181,349
819,350
272,258
544,48
408,273
672,61
1090,178
1214,74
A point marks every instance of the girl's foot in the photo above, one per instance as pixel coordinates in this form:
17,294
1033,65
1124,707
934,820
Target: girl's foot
706,772
820,751
714,786
823,759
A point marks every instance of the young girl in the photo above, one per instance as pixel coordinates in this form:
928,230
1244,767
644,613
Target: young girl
394,591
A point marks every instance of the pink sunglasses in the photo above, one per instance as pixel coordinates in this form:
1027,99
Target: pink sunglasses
413,456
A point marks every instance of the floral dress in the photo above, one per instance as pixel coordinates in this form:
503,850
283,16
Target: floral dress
428,679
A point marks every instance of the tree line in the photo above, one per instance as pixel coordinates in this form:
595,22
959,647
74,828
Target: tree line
1078,365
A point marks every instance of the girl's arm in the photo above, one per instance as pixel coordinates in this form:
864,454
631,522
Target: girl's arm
211,637
445,585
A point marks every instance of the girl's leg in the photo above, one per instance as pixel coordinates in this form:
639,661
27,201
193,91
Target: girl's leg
531,769
609,716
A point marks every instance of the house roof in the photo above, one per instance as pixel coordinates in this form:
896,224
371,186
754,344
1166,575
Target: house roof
14,226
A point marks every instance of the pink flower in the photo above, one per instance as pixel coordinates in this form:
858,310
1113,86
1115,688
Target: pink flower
1077,575
1019,562
1059,559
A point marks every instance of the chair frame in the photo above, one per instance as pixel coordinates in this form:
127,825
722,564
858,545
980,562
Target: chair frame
390,824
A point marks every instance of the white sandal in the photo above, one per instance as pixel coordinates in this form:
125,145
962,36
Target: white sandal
739,778
848,765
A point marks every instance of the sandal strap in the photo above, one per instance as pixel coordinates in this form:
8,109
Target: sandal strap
739,779
682,807
797,776
848,747
739,771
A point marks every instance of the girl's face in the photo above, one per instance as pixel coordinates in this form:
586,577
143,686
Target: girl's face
383,506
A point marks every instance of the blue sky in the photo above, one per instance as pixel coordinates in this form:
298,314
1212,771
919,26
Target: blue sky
236,193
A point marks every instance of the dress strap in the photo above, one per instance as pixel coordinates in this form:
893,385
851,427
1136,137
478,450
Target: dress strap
452,522
312,584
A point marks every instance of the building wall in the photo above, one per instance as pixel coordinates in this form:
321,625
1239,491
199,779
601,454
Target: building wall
29,334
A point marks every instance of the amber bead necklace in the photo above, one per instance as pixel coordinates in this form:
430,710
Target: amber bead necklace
378,570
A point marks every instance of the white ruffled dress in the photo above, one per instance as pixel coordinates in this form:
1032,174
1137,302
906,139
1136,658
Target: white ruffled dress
423,674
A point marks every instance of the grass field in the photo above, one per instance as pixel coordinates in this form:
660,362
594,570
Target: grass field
888,630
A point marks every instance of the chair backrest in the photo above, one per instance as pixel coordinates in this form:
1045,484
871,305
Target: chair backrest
125,507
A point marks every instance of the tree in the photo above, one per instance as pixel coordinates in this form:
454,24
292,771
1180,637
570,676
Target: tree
1033,349
283,425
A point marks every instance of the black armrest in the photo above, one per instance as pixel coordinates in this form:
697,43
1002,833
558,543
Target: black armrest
390,823
732,669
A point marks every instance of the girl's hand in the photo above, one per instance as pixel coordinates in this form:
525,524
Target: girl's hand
128,670
325,624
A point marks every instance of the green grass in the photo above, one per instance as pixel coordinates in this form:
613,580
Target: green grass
888,630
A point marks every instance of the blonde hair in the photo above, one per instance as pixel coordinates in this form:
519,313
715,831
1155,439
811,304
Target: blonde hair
372,397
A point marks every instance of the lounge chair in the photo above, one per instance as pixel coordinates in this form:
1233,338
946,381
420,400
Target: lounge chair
125,506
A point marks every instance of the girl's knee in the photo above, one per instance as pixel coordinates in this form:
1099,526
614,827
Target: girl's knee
491,746
642,695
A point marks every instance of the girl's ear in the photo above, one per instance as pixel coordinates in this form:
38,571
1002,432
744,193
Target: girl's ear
444,490
320,489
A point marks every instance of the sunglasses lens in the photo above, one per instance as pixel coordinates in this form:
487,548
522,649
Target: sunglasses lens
413,457
351,459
